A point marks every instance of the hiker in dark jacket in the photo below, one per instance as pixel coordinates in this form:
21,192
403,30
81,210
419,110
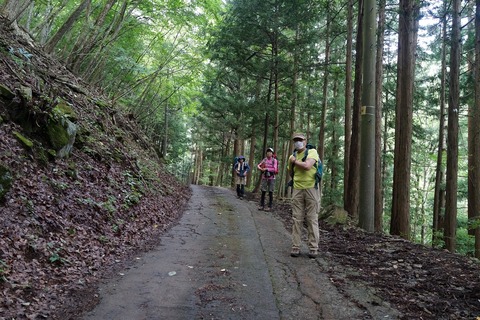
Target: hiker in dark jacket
241,169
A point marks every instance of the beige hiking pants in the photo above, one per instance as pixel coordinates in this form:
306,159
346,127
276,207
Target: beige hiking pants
305,204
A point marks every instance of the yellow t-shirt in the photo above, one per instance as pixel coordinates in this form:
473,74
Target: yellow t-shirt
303,179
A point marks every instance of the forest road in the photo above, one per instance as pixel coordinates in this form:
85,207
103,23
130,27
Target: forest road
227,260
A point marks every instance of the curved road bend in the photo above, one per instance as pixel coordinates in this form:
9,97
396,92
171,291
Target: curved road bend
227,260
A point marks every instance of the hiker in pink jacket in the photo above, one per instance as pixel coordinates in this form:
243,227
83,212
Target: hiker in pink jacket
269,168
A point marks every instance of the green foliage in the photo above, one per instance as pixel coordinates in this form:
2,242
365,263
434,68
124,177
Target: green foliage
4,268
133,195
465,242
55,251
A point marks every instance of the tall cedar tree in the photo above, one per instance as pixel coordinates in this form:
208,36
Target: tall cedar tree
473,138
452,138
407,43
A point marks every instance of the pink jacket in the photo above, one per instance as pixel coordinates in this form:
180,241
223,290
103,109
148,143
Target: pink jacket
272,167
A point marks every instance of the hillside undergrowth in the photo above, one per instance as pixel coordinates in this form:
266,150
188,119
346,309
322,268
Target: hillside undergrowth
67,219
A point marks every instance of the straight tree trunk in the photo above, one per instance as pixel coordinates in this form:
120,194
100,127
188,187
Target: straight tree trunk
439,191
42,30
67,26
352,197
476,148
13,9
251,156
92,39
348,102
326,76
452,138
368,113
378,224
335,145
276,98
236,152
293,106
97,61
407,43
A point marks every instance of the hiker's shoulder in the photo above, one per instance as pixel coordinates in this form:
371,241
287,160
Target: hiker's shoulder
312,153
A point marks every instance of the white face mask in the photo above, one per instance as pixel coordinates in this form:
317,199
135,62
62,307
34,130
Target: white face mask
298,145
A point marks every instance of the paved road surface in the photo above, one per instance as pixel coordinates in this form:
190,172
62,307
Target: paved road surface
227,260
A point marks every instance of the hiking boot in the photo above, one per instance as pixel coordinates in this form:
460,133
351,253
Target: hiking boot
295,252
241,198
261,208
313,254
267,209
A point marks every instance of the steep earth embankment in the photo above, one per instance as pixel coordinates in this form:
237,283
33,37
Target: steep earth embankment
81,188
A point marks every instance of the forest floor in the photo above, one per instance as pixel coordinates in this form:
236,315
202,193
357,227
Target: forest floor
421,282
368,270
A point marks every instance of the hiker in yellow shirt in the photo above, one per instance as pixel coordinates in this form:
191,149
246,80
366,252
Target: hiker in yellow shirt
305,195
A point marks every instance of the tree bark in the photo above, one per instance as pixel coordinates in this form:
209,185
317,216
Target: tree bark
348,102
439,191
91,40
379,192
335,145
476,149
352,197
326,76
452,138
67,26
368,113
407,43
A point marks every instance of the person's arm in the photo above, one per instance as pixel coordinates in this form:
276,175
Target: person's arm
305,165
261,165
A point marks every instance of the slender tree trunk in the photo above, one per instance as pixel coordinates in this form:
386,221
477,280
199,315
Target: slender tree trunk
236,152
293,105
452,138
439,193
43,29
67,26
352,198
367,151
251,156
163,152
197,173
407,43
335,145
348,102
92,39
13,9
476,148
326,76
378,224
97,62
276,97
